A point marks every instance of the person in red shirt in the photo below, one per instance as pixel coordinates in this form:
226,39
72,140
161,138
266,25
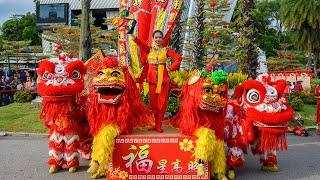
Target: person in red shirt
156,68
298,87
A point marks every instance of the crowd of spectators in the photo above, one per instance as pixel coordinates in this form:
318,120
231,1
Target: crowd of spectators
16,82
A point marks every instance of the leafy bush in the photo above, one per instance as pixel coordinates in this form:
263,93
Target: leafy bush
145,98
314,83
296,102
173,105
235,79
306,96
309,100
23,96
179,77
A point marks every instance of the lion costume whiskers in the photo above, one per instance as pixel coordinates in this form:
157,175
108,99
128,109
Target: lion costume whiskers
115,108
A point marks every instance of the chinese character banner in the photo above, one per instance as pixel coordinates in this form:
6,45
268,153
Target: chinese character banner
154,157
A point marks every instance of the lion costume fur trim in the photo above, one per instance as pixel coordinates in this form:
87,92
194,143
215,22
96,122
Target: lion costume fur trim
209,149
103,147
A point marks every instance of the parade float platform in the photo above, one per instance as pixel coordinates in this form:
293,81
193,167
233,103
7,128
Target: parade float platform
151,155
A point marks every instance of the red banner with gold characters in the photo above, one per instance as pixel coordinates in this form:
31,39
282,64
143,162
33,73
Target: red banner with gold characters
154,157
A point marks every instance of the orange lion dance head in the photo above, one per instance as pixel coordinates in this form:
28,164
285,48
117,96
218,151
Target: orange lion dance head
204,100
114,98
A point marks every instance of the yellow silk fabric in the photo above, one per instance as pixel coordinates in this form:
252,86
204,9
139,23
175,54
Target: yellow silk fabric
159,57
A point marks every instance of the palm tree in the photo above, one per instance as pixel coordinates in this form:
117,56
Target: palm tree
199,49
85,34
244,23
302,18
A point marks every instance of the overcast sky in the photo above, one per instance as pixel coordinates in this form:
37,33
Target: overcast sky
11,7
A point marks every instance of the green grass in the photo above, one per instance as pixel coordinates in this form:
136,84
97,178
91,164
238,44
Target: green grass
23,117
20,117
308,114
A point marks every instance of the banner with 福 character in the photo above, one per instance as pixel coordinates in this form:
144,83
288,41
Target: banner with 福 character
154,157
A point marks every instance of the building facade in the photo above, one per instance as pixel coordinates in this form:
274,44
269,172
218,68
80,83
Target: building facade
66,11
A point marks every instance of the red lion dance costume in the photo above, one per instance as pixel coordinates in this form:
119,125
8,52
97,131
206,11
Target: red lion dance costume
259,117
60,82
202,114
114,108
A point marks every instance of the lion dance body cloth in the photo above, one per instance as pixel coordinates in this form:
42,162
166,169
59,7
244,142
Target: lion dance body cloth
259,116
114,108
202,114
60,82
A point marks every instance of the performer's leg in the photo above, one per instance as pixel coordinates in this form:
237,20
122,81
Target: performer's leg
235,157
219,162
269,161
56,146
85,147
71,154
162,103
154,104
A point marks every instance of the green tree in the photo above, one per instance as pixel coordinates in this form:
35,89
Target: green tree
218,33
244,23
199,48
268,26
21,29
302,18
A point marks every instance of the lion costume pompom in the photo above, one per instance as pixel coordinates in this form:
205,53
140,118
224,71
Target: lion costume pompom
202,114
115,108
60,82
259,116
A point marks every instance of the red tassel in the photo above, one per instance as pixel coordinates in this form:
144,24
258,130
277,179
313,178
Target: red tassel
272,139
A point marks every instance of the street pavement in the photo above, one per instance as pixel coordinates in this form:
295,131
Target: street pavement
25,158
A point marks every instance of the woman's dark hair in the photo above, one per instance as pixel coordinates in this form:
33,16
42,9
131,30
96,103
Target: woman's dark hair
157,31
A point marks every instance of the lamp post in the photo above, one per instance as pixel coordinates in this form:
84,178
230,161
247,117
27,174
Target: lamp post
8,58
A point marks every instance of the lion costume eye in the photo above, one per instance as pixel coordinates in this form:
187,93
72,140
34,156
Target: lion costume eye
115,74
75,74
208,90
271,91
253,96
100,73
